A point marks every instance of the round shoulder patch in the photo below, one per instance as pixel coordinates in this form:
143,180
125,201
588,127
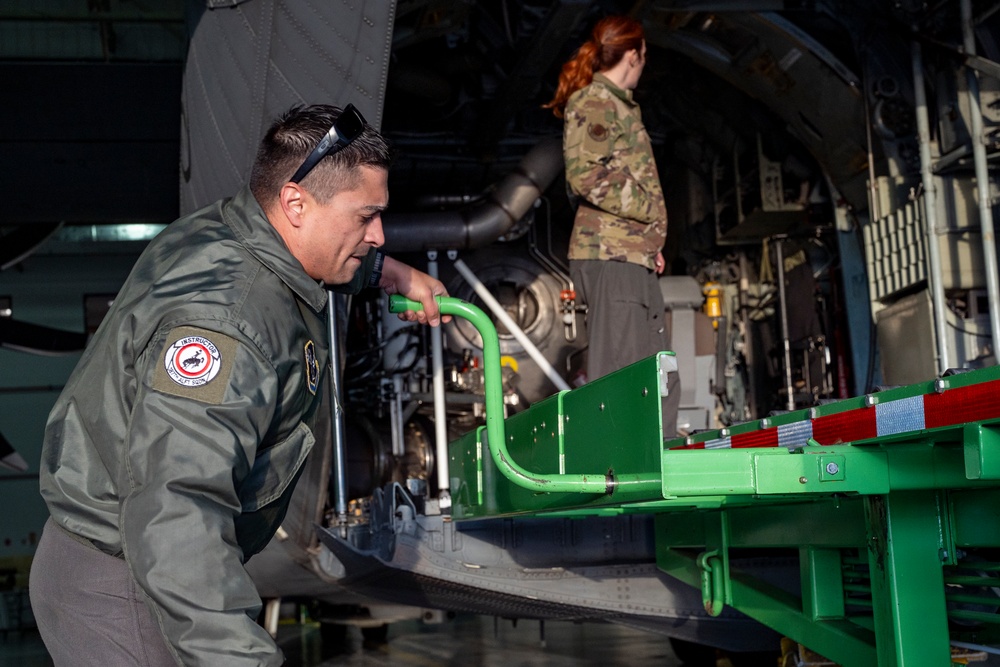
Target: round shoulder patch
192,361
597,132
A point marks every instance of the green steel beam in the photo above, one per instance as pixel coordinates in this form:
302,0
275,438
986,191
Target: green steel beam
866,470
974,518
982,451
774,471
824,524
904,556
841,641
822,583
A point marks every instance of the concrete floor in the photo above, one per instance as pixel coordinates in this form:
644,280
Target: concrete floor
482,641
464,640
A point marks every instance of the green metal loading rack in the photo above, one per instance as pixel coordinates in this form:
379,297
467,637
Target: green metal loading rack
892,500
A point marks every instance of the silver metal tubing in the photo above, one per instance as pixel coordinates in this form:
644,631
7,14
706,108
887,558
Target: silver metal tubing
511,325
873,195
930,209
440,407
339,444
272,614
744,315
396,420
782,306
982,180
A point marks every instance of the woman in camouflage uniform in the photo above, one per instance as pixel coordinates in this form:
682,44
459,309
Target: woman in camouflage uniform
615,249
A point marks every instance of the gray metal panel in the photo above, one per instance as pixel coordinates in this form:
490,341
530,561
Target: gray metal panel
250,62
906,340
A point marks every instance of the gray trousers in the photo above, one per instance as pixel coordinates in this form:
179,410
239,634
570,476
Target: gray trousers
625,322
89,609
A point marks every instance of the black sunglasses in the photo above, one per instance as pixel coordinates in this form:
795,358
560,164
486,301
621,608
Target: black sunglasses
348,127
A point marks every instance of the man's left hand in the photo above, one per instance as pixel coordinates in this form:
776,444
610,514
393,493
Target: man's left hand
400,278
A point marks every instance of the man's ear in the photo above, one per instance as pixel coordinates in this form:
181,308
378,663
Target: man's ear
293,201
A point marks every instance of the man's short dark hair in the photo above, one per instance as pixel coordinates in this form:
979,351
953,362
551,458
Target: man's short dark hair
293,136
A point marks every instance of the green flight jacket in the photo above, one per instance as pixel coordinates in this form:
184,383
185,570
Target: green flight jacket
179,437
610,166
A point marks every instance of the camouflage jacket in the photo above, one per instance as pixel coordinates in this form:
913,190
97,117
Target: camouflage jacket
610,167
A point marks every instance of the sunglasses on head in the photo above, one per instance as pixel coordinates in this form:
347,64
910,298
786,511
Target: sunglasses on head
348,127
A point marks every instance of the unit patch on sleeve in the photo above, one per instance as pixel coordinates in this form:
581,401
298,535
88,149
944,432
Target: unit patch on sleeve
597,132
312,367
597,141
196,364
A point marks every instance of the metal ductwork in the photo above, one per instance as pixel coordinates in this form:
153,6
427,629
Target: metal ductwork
38,339
23,241
480,225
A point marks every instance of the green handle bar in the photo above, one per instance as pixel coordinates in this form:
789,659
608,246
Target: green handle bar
603,483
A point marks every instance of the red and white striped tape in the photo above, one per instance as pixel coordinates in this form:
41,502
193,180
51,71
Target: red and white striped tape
961,405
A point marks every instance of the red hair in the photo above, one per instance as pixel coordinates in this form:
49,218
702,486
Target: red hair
611,39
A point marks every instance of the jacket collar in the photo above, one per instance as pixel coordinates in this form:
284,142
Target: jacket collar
254,231
622,94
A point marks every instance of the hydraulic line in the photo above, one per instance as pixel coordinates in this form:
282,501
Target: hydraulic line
930,210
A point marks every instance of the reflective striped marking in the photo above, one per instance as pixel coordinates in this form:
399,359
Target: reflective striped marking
951,407
719,443
795,435
906,414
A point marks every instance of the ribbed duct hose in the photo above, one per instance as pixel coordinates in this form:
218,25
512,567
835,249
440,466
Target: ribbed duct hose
479,226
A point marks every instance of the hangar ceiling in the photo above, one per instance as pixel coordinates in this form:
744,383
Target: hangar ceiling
92,131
